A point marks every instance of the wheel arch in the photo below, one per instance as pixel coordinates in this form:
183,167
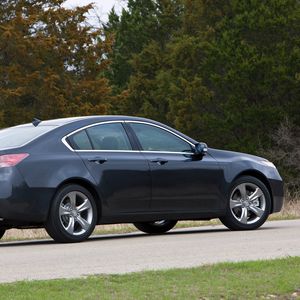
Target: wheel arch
86,184
260,176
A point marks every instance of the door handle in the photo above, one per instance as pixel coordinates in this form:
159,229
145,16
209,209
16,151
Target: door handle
98,160
159,161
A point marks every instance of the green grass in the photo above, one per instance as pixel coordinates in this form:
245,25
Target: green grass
275,279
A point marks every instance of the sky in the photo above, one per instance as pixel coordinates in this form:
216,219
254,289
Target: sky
102,6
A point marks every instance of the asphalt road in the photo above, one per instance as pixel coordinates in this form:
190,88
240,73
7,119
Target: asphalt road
111,254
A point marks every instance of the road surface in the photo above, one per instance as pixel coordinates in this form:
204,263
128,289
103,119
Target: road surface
111,254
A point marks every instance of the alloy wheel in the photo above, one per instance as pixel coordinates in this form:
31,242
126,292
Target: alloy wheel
247,203
76,213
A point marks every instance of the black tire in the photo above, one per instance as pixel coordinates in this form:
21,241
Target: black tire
58,221
157,227
2,232
230,220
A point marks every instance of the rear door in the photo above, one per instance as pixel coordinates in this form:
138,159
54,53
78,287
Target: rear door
180,181
120,171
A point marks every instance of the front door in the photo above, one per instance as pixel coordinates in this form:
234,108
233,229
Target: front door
180,181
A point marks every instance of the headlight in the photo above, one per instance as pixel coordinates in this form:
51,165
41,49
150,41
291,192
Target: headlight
268,163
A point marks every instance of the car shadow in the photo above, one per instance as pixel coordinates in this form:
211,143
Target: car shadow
92,238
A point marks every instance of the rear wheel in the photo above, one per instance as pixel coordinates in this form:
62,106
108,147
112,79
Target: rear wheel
2,232
73,215
249,204
156,227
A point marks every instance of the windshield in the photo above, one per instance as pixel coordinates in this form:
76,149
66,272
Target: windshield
17,136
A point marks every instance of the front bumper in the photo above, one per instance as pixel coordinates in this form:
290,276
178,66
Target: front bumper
277,191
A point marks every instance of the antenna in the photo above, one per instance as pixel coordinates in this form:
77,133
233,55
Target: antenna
35,122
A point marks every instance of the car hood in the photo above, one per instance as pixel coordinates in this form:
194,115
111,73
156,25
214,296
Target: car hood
224,154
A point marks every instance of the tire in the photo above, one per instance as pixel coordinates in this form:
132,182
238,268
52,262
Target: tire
2,232
157,227
73,215
249,204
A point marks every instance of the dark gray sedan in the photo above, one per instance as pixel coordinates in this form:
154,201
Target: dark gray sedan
68,175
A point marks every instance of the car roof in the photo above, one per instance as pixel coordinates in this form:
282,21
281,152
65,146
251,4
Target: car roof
63,121
74,123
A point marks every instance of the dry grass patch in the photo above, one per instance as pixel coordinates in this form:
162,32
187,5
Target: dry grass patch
290,210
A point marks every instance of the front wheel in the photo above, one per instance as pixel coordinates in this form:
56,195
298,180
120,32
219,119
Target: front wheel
156,227
2,232
248,206
73,215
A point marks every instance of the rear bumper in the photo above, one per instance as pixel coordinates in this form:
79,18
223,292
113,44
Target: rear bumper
277,194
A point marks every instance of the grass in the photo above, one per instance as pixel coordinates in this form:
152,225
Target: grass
291,210
275,279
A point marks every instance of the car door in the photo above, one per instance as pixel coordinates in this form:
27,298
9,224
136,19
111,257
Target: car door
180,180
121,173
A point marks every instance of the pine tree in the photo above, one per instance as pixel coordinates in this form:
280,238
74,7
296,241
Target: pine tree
228,75
141,23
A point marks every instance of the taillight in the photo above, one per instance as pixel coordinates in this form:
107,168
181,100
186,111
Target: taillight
10,160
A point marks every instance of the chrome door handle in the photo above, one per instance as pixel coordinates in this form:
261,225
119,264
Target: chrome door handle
159,161
98,160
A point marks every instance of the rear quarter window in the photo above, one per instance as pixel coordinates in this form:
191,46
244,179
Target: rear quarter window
80,141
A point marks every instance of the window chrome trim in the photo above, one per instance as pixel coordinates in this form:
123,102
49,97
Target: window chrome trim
91,125
67,144
133,151
113,151
64,139
168,152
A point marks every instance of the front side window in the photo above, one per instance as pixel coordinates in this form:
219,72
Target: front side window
111,136
153,138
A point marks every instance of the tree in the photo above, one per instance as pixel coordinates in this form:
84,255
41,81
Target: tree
228,75
141,23
286,155
51,62
252,64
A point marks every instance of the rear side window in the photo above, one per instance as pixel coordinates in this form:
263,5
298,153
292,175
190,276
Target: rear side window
17,136
110,136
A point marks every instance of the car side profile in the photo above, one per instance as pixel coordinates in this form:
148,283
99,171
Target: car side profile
67,175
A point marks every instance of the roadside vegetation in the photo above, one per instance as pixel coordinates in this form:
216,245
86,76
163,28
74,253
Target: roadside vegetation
275,279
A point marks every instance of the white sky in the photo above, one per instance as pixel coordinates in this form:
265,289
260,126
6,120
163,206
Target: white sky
103,6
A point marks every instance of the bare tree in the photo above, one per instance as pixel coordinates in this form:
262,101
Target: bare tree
286,154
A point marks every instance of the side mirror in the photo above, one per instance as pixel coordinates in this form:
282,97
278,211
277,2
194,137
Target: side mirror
200,149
